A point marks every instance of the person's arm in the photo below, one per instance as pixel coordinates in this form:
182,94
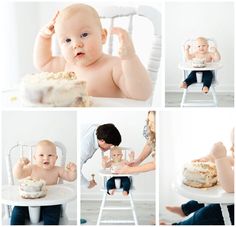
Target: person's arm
133,79
225,171
138,169
42,55
187,55
215,54
143,155
70,173
22,168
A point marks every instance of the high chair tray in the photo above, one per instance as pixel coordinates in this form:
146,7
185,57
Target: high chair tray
11,99
215,194
208,66
107,172
56,194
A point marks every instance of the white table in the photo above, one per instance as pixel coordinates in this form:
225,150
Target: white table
11,99
210,195
209,66
56,195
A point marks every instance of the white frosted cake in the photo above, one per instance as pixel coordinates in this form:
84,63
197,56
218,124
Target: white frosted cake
54,89
198,63
32,189
200,174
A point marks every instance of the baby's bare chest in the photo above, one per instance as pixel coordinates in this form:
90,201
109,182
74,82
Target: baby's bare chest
51,177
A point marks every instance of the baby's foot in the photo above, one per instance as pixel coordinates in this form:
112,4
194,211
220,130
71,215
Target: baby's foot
176,210
112,191
205,89
183,85
164,223
125,193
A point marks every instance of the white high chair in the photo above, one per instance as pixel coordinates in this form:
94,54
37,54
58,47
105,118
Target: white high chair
187,67
25,150
112,16
106,175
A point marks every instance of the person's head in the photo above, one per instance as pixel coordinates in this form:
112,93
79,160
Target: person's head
108,135
80,34
116,154
151,126
202,45
45,155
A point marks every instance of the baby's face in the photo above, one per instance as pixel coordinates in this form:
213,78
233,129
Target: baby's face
116,155
80,38
45,156
202,46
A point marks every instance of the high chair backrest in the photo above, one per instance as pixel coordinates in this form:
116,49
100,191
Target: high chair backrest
125,152
112,16
27,150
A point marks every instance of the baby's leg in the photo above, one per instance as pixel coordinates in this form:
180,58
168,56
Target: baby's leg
125,183
111,186
191,78
207,80
176,210
19,215
51,214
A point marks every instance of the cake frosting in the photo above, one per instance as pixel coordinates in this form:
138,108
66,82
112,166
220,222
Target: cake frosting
200,174
32,189
54,89
198,62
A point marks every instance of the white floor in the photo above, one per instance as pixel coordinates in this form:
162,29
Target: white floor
173,99
145,212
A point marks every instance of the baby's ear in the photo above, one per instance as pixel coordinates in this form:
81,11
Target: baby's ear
104,35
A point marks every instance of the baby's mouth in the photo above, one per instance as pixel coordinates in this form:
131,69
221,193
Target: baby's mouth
46,163
79,54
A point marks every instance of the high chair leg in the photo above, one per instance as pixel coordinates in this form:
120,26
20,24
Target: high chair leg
101,208
133,209
214,96
183,98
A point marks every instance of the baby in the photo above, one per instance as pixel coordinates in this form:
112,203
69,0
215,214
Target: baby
115,163
203,53
211,214
80,37
44,168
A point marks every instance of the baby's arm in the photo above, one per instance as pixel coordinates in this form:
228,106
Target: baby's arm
215,55
22,168
187,55
106,163
133,79
70,173
43,59
224,167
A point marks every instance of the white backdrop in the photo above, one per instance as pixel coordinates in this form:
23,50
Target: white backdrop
130,123
190,19
187,135
32,126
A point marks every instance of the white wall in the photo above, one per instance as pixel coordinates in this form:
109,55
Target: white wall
130,124
184,136
190,19
32,126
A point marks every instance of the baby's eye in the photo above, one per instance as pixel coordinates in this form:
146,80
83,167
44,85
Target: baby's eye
41,155
68,40
83,35
49,155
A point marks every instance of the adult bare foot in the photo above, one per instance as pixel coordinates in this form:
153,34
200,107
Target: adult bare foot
205,89
176,210
183,85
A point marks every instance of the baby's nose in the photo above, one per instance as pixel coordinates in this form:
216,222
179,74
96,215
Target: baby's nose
78,44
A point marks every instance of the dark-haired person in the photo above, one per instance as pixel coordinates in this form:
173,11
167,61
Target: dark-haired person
101,137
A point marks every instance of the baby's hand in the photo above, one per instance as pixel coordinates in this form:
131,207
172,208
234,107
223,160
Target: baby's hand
126,49
49,30
218,151
187,47
23,161
71,167
213,49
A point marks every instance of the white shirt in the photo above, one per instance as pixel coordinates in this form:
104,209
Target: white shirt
88,147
